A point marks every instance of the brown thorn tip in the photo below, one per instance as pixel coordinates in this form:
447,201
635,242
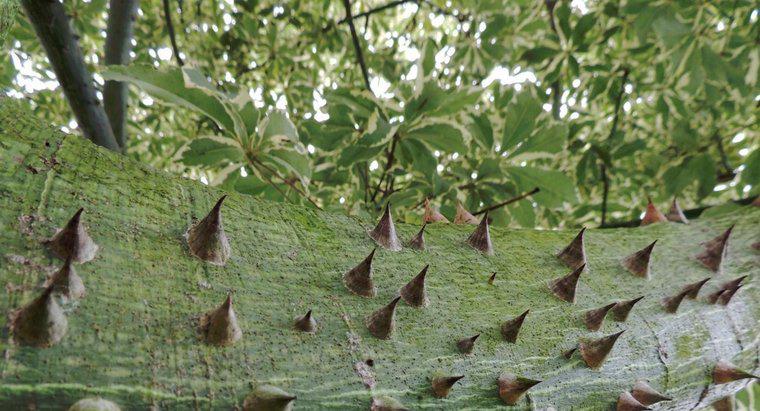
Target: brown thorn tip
575,253
306,323
647,395
382,322
207,239
626,402
384,232
73,240
466,345
492,278
67,283
220,327
726,291
432,215
41,323
418,241
269,398
564,287
622,308
359,279
692,290
413,293
715,251
725,372
652,215
442,385
480,239
511,328
676,214
726,297
638,263
594,352
594,318
463,216
512,387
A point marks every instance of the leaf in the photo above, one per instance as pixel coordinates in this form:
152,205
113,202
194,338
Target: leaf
556,187
293,161
440,136
539,54
277,125
357,153
208,152
583,26
703,167
545,143
751,173
523,213
417,156
482,130
519,120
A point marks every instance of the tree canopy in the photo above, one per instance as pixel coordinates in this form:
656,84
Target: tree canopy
353,104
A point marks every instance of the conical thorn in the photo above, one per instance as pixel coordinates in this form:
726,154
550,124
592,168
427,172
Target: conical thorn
715,251
622,308
466,345
220,327
41,323
418,241
442,385
647,395
382,322
564,287
638,263
73,240
626,402
574,255
413,293
511,328
594,318
480,239
384,232
463,216
268,398
652,215
432,215
594,352
492,278
512,387
358,280
207,239
725,372
66,282
676,214
306,323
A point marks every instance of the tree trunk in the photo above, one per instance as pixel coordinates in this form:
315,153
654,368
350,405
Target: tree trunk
133,338
62,48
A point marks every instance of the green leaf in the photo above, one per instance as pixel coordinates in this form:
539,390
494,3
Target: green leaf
293,161
583,26
523,213
539,54
751,173
556,187
519,120
356,153
208,152
704,169
440,136
417,156
482,131
277,125
544,143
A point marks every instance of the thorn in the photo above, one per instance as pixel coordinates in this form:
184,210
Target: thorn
359,279
442,385
66,282
510,328
220,327
73,240
564,287
638,262
715,251
626,402
594,318
432,215
41,323
622,308
466,345
207,239
594,352
512,387
480,239
463,216
385,403
574,254
725,372
413,293
268,398
306,323
726,297
382,322
733,283
96,403
384,232
418,241
714,297
690,291
492,278
724,404
652,215
647,395
676,214
569,353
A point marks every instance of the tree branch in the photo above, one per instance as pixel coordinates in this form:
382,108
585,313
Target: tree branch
52,27
510,201
556,98
389,160
378,9
121,18
257,162
170,29
613,130
357,46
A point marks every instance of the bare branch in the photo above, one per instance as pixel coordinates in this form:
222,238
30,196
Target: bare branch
357,45
170,29
510,201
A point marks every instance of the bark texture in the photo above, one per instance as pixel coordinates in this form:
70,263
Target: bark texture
133,338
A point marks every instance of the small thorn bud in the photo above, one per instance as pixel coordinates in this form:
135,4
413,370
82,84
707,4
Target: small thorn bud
432,215
574,255
207,239
463,216
480,239
359,279
676,214
385,403
622,308
594,352
652,215
510,328
569,353
512,387
382,322
41,323
726,297
67,283
413,293
647,395
594,318
418,241
306,323
638,262
384,232
219,327
442,385
466,345
724,404
268,398
94,404
626,402
725,372
564,287
73,240
715,251
492,278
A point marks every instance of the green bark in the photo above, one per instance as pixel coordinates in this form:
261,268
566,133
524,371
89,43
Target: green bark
133,338
8,9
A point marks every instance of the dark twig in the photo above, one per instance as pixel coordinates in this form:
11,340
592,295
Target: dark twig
375,10
556,98
256,162
613,130
170,29
510,201
389,160
357,45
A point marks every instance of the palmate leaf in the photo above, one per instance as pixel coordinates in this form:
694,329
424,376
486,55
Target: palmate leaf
210,152
441,136
519,120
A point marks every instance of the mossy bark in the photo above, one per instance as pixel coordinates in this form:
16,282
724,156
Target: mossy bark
133,339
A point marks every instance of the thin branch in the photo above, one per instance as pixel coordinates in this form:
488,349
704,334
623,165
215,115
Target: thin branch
389,160
556,98
613,130
510,201
170,29
375,10
292,185
357,46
